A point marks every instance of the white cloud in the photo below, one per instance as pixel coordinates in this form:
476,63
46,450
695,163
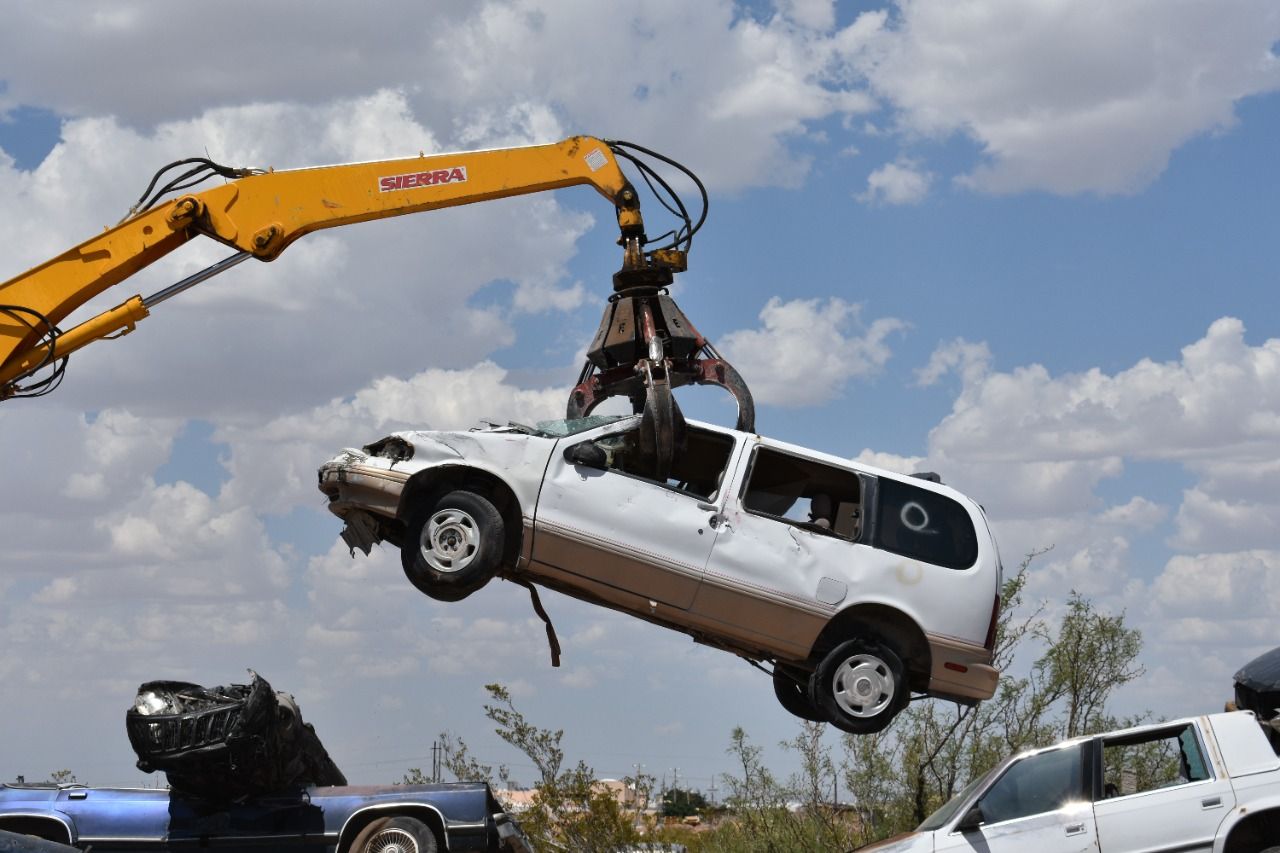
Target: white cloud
1207,522
969,361
1138,513
900,182
1234,585
890,461
814,14
1072,96
1219,401
808,350
753,84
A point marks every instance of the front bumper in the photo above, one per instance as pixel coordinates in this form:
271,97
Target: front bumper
352,485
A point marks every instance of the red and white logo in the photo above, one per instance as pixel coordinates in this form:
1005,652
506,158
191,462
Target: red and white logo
412,180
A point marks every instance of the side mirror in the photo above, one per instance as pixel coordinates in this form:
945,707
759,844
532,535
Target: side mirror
586,453
972,819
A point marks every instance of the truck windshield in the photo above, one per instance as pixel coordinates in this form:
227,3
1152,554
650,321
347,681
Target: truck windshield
939,818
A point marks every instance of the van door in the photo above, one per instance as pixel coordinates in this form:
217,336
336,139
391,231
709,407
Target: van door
612,521
787,554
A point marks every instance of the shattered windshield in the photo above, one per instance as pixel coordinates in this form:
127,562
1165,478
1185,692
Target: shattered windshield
572,426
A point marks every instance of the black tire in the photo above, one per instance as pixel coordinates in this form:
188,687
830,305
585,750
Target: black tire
860,685
453,548
401,834
791,688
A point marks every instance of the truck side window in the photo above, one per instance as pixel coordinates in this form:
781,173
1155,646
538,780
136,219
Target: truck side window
1151,760
696,469
924,525
809,494
1039,783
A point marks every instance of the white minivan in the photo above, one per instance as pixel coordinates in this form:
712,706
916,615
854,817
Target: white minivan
858,586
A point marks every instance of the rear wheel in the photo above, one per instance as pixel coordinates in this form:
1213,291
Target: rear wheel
395,835
791,688
453,548
860,685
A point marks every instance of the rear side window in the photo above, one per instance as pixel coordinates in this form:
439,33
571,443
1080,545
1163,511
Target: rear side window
806,493
925,525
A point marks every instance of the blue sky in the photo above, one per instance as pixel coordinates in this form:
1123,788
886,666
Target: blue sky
1028,245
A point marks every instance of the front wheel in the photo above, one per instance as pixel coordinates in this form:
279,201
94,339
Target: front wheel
395,835
453,548
861,685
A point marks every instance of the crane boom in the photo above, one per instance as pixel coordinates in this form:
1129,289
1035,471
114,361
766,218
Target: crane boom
262,214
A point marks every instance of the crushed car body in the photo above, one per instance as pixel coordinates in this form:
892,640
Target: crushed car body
859,585
226,742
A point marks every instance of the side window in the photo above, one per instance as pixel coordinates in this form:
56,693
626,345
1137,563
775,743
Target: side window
925,525
1152,760
805,493
697,468
1037,784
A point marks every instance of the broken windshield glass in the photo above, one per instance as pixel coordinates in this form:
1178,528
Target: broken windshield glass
572,426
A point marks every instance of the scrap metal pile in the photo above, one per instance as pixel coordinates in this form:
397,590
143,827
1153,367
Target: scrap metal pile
228,742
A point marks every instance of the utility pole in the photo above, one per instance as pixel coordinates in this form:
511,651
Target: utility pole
713,791
635,786
436,750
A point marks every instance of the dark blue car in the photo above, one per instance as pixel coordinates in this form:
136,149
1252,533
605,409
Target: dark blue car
347,819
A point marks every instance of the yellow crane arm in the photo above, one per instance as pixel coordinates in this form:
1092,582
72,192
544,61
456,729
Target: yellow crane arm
261,214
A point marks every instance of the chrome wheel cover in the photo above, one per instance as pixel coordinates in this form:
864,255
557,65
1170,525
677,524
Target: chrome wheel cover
392,841
863,686
450,540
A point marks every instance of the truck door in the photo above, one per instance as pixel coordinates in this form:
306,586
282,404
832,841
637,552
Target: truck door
1159,792
608,519
1040,803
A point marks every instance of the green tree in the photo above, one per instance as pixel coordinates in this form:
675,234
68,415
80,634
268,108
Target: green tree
570,810
681,802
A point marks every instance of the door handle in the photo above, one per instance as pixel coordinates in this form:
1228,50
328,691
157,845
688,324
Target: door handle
1211,803
1075,829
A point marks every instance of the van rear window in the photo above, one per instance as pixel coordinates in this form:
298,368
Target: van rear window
925,525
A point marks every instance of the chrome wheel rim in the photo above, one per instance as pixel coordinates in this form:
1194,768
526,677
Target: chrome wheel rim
863,686
449,541
393,841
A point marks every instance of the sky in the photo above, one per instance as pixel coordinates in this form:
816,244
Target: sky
1031,245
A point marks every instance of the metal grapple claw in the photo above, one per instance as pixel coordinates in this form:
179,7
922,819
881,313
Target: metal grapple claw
644,349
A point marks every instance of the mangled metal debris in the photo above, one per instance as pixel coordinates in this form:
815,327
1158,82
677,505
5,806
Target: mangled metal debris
1257,689
227,742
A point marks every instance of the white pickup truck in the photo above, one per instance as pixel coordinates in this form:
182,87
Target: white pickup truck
1208,783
